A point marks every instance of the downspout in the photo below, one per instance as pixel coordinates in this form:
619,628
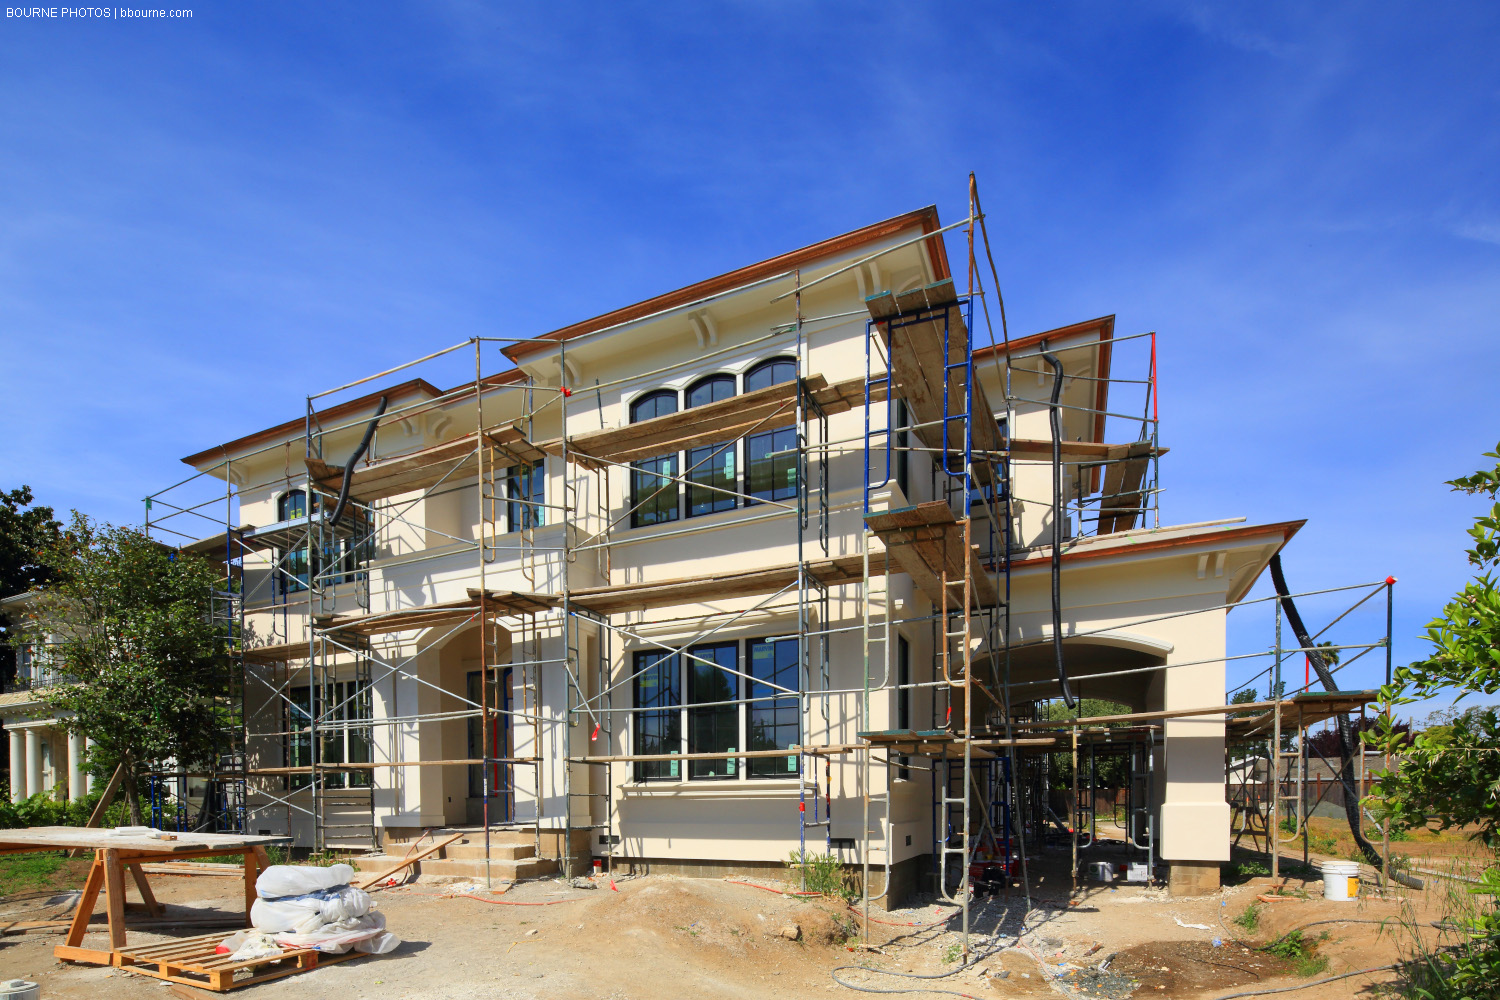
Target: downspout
364,445
1054,416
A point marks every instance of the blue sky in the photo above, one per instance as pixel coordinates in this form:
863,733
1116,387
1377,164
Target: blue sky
206,219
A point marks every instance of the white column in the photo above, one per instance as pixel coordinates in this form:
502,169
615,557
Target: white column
75,767
88,776
33,760
17,765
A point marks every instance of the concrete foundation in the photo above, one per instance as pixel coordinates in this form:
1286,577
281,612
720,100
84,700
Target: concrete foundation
905,875
1193,878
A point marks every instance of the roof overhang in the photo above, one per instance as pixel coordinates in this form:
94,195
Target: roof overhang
925,219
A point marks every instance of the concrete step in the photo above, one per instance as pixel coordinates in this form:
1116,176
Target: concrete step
471,849
504,869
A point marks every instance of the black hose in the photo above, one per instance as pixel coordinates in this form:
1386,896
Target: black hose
364,445
1054,415
1315,982
1346,734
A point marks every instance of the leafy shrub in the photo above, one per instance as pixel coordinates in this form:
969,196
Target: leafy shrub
43,810
1297,947
1249,918
1464,963
822,873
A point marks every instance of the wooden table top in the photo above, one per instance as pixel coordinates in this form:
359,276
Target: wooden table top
63,837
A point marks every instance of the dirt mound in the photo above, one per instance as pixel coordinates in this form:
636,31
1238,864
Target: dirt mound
1173,968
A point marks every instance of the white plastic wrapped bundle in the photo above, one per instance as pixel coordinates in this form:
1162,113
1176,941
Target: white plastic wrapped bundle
366,934
307,907
298,880
306,913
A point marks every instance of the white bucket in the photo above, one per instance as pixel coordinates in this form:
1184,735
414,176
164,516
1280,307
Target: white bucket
19,989
1340,879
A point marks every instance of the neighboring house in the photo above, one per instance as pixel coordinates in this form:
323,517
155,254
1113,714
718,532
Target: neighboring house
44,756
654,596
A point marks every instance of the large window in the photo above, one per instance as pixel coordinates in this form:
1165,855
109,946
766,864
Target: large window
713,718
342,705
710,470
771,457
710,390
694,704
526,492
653,490
292,566
339,559
772,372
658,686
774,716
712,478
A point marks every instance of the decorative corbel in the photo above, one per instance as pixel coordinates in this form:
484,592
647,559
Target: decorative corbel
704,328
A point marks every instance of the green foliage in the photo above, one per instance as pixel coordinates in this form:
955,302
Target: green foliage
1110,772
131,623
43,810
952,953
824,873
1242,871
1450,773
1301,949
1464,963
1249,917
25,532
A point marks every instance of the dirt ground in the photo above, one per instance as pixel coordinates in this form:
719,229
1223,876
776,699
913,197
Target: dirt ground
661,938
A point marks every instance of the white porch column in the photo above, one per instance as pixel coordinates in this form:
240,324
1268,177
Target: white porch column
17,765
88,776
33,760
75,767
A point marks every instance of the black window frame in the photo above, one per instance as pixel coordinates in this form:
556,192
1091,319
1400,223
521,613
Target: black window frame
655,498
651,732
527,483
780,445
345,745
779,361
667,721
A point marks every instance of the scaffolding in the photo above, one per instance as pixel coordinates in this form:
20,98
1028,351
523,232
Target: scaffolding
929,396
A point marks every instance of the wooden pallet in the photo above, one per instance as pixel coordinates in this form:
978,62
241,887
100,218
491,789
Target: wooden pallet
194,962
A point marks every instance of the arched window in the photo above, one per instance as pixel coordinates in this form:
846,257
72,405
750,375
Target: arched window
653,490
291,506
710,390
290,575
771,457
710,468
655,404
770,372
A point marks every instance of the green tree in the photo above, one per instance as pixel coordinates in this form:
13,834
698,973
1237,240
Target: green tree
1111,770
26,531
130,624
1449,774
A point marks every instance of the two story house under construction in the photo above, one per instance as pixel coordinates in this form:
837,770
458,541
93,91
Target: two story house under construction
794,558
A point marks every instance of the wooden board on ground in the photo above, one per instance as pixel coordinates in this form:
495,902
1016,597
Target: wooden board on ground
195,962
